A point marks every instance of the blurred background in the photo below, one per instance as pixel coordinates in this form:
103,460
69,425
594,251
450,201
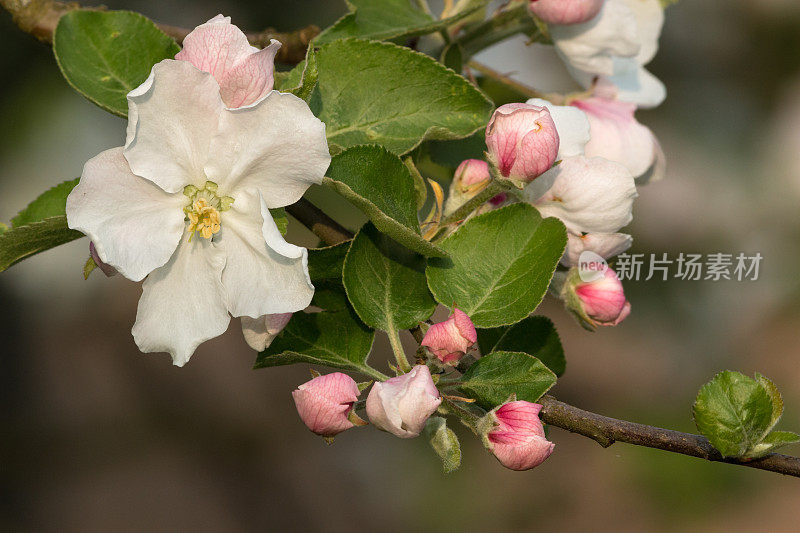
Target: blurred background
98,437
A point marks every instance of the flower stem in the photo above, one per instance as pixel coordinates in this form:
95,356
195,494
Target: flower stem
503,24
399,353
493,189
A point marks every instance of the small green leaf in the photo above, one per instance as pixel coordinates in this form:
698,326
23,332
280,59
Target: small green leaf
444,442
772,442
334,338
500,265
325,264
51,203
453,57
774,396
420,189
536,335
377,182
733,412
24,241
302,79
89,267
370,92
280,218
106,54
385,282
390,19
495,377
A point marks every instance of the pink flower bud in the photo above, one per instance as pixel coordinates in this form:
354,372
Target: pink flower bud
514,434
107,269
450,340
522,141
600,302
565,12
403,404
472,175
325,403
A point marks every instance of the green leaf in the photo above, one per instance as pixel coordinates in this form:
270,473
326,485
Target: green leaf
500,265
536,335
733,412
302,79
452,153
453,57
325,264
21,242
377,182
385,282
444,442
495,377
51,203
420,189
390,19
106,54
772,442
774,396
280,218
372,92
335,338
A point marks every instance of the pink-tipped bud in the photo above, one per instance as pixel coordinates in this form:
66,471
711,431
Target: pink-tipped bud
450,340
565,12
515,435
403,404
600,302
472,175
107,269
325,403
522,141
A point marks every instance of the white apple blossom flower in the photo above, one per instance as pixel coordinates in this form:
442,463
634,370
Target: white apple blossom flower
185,203
606,245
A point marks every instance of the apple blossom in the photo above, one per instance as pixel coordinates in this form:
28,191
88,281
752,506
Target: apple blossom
260,332
600,302
515,435
325,404
450,340
185,203
522,141
617,136
401,405
606,245
572,126
244,72
564,12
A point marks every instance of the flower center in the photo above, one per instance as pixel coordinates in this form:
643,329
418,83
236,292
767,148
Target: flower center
203,211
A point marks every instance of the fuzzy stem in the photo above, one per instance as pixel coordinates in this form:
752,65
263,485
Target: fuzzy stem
399,353
493,189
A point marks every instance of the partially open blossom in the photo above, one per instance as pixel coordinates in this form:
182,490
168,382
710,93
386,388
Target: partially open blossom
185,203
617,136
515,435
401,405
260,332
244,72
600,302
572,126
325,403
565,12
450,340
522,141
107,269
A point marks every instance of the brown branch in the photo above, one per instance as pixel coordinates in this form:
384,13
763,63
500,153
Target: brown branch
40,17
606,431
323,226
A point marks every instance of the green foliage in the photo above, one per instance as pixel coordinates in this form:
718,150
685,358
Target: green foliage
280,218
390,19
302,79
536,335
325,264
495,377
51,203
385,282
377,182
737,413
444,442
24,241
371,92
334,338
500,265
106,54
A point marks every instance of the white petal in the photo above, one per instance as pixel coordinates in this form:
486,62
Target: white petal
588,195
134,225
591,46
606,245
171,120
658,171
276,146
183,303
632,83
260,332
263,274
649,22
571,124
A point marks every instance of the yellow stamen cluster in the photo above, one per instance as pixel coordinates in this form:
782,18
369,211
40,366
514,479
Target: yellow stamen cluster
204,219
